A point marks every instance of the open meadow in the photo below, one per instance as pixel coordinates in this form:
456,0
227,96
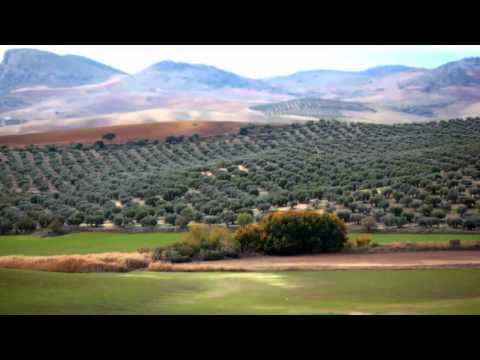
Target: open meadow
453,291
82,243
98,242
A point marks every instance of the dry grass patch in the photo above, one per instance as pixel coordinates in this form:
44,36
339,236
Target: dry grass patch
109,262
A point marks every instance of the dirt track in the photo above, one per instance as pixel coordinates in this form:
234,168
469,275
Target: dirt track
411,260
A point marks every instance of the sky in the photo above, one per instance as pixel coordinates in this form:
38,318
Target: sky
262,61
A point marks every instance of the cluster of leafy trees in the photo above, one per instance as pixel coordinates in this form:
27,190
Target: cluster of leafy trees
294,232
390,175
286,233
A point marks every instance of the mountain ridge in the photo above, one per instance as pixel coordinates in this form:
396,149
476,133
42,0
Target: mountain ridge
176,91
174,75
31,67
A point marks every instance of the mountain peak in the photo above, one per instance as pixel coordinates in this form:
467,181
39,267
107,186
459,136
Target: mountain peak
387,69
169,74
464,72
31,67
16,56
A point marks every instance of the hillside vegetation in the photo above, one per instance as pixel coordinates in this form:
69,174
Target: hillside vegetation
311,107
370,175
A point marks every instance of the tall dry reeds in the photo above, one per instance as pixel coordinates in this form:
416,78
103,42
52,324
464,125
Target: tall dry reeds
110,262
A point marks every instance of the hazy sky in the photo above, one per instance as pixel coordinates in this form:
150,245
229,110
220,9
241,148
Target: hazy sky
266,60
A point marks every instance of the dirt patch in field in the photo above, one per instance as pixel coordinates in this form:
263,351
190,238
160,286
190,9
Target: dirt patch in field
333,261
124,133
108,262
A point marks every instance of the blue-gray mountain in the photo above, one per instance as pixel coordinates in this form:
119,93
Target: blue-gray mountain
28,67
316,82
465,72
171,75
182,91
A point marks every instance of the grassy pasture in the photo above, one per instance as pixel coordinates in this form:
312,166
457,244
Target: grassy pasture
453,291
82,243
94,243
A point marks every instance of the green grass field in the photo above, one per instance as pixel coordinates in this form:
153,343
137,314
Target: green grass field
453,291
91,243
82,243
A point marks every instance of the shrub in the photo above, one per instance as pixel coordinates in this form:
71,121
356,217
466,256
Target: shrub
301,232
5,226
170,219
148,221
75,219
45,219
26,224
454,221
56,226
175,256
438,213
118,220
471,222
357,218
182,222
248,238
362,241
345,215
211,255
396,210
208,236
202,242
428,221
244,219
369,223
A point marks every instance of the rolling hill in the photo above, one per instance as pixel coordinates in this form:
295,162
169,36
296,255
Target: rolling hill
42,91
28,67
178,76
465,72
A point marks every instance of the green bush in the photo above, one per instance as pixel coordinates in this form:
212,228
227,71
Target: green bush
248,238
202,242
148,221
174,256
302,232
244,219
363,241
5,226
26,225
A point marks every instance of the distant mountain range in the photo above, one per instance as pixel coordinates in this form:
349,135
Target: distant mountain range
172,75
319,81
465,72
40,89
28,67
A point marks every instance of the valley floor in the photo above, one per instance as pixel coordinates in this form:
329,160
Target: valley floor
441,291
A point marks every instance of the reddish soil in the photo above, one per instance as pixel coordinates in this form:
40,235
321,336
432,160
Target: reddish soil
413,260
125,133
